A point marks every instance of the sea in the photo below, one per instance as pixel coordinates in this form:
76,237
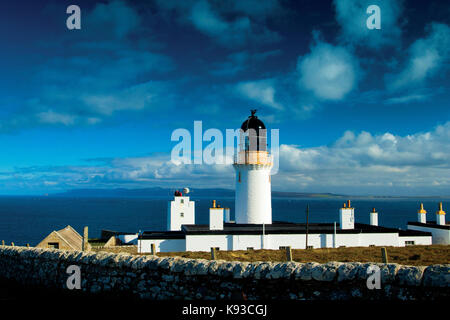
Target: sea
29,219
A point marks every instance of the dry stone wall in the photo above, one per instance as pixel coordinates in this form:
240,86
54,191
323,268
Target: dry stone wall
150,277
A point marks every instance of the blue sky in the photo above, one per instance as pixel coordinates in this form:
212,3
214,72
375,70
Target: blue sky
359,111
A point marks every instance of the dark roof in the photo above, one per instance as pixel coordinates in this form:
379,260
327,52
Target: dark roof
430,224
106,234
412,233
162,235
285,228
253,123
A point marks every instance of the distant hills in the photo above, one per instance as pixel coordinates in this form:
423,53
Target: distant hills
168,192
205,192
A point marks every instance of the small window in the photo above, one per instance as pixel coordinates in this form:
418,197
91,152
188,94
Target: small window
53,245
409,243
182,200
182,214
371,245
342,246
282,248
310,247
250,248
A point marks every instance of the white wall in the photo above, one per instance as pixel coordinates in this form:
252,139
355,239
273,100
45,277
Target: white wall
440,236
242,242
162,245
274,241
177,207
205,242
417,240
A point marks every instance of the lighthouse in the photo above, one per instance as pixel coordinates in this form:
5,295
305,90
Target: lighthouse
252,163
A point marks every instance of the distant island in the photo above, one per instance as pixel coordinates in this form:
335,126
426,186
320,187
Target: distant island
211,192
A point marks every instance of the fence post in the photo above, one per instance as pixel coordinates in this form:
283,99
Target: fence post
288,253
213,253
152,249
384,256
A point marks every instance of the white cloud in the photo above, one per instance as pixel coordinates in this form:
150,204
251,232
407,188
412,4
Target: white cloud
427,57
352,17
52,117
330,72
372,163
260,91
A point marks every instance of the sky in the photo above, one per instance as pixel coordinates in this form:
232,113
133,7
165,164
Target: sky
359,111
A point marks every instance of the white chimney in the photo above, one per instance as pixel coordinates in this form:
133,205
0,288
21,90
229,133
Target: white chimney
422,214
374,218
347,216
440,215
216,217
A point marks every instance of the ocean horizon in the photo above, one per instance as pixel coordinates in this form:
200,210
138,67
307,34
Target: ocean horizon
29,219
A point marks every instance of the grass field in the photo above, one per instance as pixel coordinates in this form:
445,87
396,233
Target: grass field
411,255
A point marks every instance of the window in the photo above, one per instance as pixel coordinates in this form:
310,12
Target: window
53,245
310,247
250,248
409,243
371,245
182,214
282,248
182,200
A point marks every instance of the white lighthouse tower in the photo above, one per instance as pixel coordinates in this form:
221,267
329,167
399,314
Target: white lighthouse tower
253,201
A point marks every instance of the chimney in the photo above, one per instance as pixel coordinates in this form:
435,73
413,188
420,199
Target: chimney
440,215
347,216
422,214
216,217
85,246
374,218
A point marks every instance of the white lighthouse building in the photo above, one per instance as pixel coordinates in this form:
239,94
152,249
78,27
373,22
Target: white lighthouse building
253,227
252,163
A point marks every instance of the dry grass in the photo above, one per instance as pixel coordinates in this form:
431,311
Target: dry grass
412,255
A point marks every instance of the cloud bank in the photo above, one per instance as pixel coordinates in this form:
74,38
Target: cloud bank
384,164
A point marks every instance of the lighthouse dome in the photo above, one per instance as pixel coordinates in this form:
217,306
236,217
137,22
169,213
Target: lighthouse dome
253,123
255,140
